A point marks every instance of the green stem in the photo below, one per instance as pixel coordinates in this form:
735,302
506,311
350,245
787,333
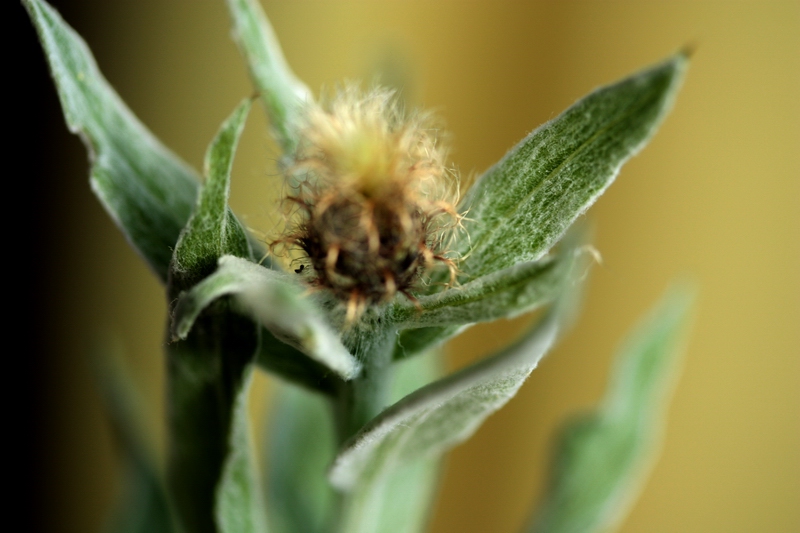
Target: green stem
204,373
359,400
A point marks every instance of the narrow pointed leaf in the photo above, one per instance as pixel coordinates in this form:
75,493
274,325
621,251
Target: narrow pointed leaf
301,447
212,230
436,417
522,205
396,500
239,504
274,300
143,186
601,457
504,294
280,91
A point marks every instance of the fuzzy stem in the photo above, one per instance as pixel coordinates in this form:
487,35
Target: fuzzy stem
358,401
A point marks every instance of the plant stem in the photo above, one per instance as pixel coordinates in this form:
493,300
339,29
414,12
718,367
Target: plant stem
361,399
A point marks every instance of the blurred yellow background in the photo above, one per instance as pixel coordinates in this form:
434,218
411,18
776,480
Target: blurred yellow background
715,197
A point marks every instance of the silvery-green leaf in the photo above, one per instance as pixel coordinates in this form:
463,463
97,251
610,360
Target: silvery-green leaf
602,457
410,492
142,506
239,502
438,416
522,205
212,230
503,294
279,89
301,447
143,186
396,500
276,301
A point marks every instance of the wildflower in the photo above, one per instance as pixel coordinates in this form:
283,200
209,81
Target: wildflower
374,198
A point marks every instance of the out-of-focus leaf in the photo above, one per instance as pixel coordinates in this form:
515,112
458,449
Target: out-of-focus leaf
282,93
142,506
436,417
143,186
601,457
239,503
301,447
275,301
522,205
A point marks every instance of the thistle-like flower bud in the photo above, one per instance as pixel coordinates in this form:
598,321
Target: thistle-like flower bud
374,197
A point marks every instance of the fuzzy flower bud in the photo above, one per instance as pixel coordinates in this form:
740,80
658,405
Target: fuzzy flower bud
374,200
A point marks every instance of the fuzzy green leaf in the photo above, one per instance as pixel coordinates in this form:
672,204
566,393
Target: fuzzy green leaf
413,341
274,300
436,417
301,447
212,231
280,91
239,503
522,205
601,457
143,186
504,294
396,500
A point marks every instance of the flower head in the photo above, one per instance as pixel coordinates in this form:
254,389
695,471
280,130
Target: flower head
374,198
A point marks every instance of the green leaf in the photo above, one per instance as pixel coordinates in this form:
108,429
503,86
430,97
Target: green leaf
280,91
413,341
504,294
602,457
396,500
212,230
301,447
522,205
239,503
274,300
436,417
143,186
142,506
277,357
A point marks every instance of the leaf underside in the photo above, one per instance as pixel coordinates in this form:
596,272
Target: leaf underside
442,414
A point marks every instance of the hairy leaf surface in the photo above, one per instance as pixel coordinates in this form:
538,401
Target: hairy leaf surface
523,204
280,91
438,416
276,301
